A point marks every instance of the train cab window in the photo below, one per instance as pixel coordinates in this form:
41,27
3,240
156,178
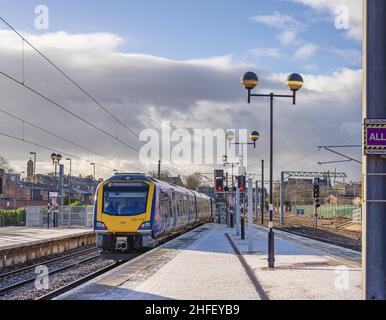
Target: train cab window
125,200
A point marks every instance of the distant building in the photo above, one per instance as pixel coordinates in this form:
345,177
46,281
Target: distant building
348,190
353,189
17,193
30,171
296,191
340,188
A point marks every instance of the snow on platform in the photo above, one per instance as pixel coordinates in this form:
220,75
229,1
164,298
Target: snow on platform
304,268
15,237
202,264
19,245
206,269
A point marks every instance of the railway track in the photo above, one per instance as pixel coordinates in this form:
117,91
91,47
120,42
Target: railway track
32,267
326,232
328,225
28,280
14,288
356,247
55,293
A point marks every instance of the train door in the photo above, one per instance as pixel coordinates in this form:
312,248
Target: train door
174,210
196,209
211,210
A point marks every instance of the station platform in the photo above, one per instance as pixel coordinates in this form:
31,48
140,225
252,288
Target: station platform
211,262
20,244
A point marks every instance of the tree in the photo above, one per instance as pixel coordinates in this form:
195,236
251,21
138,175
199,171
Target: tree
77,203
165,175
192,181
67,201
4,164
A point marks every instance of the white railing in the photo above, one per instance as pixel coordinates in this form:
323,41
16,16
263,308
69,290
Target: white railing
34,216
357,215
64,217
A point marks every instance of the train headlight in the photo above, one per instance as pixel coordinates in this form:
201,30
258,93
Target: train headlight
145,226
100,226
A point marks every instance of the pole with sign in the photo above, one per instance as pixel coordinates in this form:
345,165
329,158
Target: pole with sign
52,206
374,137
250,210
374,164
238,211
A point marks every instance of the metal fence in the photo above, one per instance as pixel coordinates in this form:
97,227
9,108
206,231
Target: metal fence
64,217
326,210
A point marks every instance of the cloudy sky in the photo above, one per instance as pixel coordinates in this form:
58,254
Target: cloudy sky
179,61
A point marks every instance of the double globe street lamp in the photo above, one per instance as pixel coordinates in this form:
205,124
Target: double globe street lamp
294,82
254,136
56,158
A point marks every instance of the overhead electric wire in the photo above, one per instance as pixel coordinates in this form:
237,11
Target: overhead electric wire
314,152
72,113
64,139
69,78
80,88
66,110
53,149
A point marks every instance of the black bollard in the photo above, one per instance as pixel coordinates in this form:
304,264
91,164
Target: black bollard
242,228
231,217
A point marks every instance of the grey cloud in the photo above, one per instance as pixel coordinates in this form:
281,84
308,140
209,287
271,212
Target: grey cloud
142,90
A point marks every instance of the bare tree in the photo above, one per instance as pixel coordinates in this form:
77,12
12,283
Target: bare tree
192,181
4,164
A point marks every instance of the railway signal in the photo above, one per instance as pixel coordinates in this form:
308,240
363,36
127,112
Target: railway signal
316,193
218,180
316,200
219,184
241,183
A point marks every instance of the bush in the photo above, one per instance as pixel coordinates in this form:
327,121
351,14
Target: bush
77,203
12,217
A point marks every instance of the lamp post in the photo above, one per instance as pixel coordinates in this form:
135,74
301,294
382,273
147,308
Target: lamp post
69,181
225,160
56,158
254,136
34,177
226,163
294,82
93,164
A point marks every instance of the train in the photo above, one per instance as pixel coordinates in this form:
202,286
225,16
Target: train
134,212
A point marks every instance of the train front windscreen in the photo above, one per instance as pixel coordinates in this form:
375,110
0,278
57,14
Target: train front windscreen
125,199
